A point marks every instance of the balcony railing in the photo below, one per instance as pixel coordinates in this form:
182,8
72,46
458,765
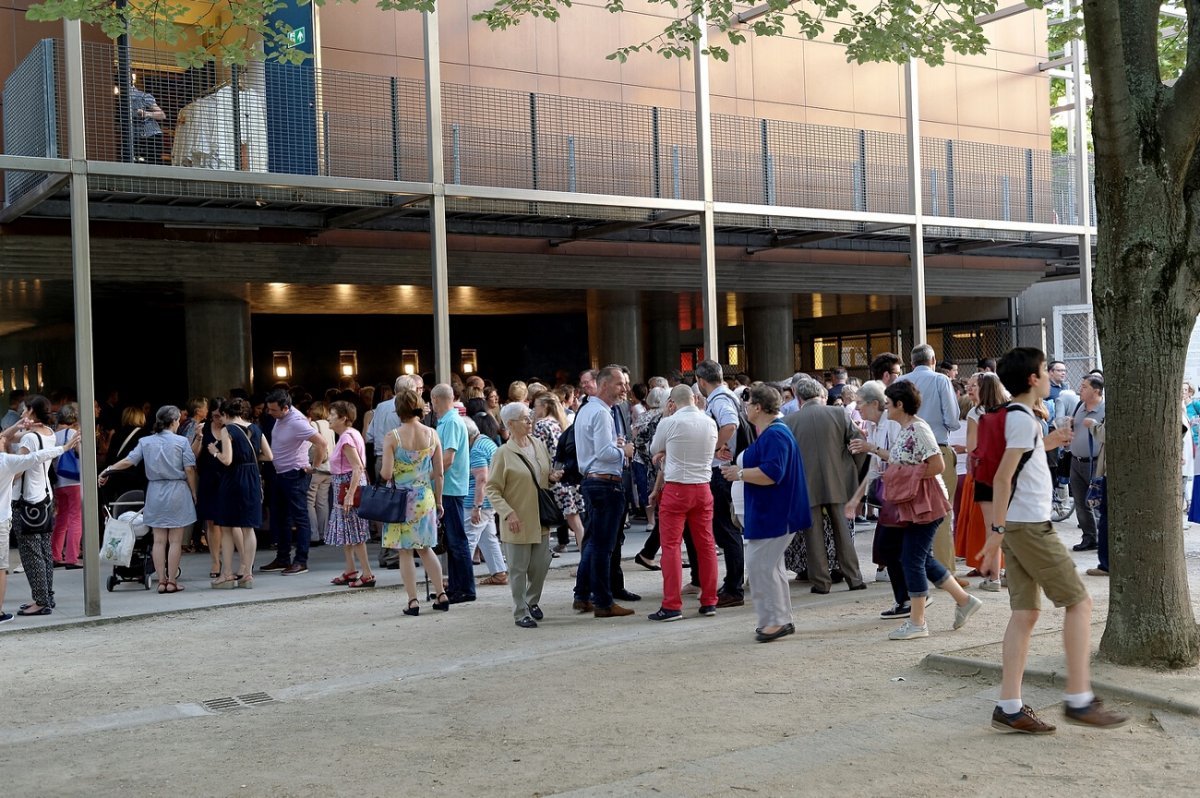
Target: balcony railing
302,120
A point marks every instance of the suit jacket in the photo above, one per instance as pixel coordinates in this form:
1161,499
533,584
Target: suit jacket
823,434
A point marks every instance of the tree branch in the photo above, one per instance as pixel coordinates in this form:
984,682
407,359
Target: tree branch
1180,114
1114,119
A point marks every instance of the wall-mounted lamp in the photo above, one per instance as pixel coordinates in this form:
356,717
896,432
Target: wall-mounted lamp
25,369
410,361
281,365
1,380
733,354
41,380
348,362
470,362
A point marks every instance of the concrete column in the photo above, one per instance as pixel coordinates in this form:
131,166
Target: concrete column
218,346
770,335
615,330
662,333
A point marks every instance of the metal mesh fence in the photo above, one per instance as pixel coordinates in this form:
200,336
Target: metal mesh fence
297,119
31,102
1075,341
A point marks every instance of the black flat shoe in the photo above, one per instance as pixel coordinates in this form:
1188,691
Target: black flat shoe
818,591
41,611
783,631
859,586
625,595
536,612
527,623
647,564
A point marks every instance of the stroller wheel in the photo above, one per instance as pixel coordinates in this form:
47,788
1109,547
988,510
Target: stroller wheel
146,582
112,583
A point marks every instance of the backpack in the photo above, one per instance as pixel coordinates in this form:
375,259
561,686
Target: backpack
566,459
991,443
67,464
746,433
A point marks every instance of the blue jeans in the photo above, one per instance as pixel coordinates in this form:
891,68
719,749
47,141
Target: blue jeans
1102,530
605,503
289,506
459,569
917,560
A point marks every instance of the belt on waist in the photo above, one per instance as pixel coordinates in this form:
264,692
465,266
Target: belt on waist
609,477
1085,459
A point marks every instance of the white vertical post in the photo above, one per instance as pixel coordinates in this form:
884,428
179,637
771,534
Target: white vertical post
437,207
708,245
1082,183
81,274
917,231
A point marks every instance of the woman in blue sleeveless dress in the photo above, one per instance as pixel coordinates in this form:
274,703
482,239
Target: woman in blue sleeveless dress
239,497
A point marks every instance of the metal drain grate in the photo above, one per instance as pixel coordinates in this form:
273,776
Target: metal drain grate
230,703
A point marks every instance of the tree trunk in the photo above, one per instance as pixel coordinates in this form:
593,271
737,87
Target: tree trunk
1146,310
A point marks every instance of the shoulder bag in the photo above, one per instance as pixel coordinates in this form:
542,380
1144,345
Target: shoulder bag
36,517
549,513
387,504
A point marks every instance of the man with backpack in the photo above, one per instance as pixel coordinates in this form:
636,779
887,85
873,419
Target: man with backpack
725,409
1036,560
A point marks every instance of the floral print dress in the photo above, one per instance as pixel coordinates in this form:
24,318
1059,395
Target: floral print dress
570,500
413,469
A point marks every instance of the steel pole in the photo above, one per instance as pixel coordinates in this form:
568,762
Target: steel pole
81,272
437,206
704,153
1082,183
917,230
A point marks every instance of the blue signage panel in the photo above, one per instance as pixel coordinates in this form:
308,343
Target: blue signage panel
292,97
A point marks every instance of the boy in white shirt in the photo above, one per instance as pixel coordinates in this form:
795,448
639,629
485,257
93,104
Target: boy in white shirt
1035,558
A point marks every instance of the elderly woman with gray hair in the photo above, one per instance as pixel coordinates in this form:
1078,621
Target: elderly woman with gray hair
889,534
645,472
519,468
171,494
68,516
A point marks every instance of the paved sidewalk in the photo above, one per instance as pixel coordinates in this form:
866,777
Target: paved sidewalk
131,600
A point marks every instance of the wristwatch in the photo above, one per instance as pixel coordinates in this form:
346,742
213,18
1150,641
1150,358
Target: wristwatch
999,530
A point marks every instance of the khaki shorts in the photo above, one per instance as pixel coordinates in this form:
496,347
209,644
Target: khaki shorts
5,528
1035,558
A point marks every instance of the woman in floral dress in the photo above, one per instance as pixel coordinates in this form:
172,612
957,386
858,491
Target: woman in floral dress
412,454
345,528
551,421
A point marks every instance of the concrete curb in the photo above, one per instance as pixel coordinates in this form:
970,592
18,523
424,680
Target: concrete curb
969,666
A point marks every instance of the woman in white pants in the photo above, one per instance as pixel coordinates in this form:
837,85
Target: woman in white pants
480,517
776,509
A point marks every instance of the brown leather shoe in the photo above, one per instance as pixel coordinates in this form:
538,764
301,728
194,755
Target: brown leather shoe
615,611
1023,722
1095,715
582,606
726,600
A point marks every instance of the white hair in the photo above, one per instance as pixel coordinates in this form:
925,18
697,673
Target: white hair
657,397
512,411
442,391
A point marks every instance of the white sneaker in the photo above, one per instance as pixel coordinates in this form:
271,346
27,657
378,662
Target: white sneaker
909,631
990,585
965,611
882,575
690,590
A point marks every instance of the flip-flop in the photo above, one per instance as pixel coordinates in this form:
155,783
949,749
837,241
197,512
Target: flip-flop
42,611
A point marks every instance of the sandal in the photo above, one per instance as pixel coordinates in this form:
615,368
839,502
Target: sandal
225,584
175,587
500,578
163,584
366,581
410,609
246,582
345,578
442,606
214,574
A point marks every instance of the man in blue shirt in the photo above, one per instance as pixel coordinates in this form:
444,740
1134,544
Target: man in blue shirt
456,460
939,409
602,456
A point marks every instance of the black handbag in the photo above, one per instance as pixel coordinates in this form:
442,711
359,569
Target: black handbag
36,518
549,513
385,503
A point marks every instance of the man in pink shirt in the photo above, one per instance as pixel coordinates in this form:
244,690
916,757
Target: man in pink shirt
291,438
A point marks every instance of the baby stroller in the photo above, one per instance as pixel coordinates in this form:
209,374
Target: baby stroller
141,566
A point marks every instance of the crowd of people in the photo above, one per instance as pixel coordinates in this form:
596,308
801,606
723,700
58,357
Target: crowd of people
773,476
